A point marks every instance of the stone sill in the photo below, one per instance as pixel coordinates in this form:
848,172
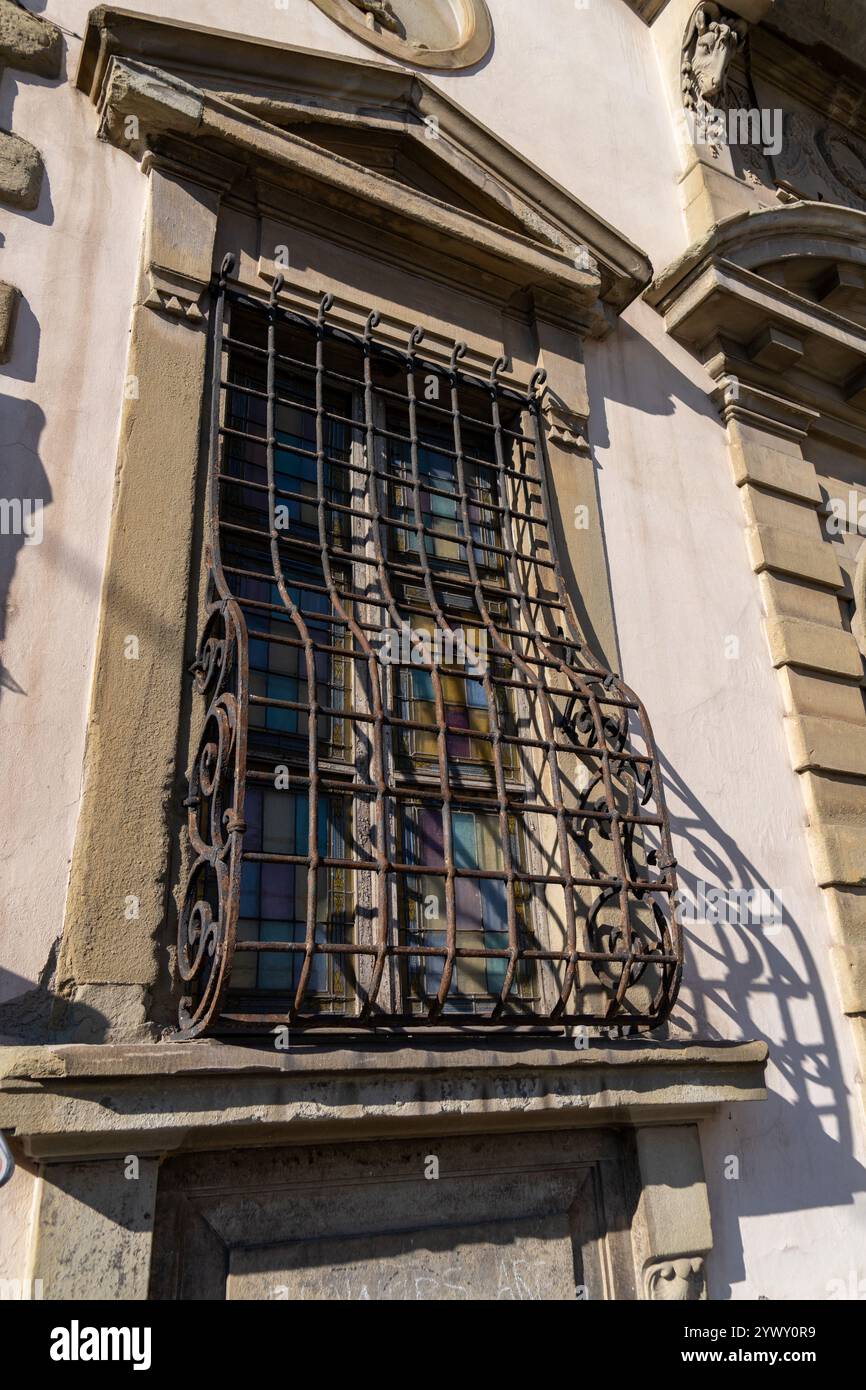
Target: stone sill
88,1101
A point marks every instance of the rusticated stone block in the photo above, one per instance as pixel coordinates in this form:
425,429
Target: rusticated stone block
21,171
9,298
28,41
815,645
834,745
789,552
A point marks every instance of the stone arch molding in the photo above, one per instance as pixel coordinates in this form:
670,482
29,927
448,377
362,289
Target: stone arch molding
424,33
771,293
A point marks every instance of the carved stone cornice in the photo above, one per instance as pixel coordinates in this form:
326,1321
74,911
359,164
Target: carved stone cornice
179,1095
737,399
835,95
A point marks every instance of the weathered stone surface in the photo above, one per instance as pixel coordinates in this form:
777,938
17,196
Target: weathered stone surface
93,1234
837,854
29,42
21,171
213,1095
156,103
832,744
757,462
101,1013
771,547
774,512
849,965
814,645
517,1216
9,297
812,695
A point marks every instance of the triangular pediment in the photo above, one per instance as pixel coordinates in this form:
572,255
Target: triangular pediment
394,154
412,161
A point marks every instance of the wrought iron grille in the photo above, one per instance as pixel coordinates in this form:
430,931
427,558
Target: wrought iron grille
417,799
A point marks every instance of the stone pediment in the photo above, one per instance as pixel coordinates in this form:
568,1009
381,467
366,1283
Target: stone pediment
366,139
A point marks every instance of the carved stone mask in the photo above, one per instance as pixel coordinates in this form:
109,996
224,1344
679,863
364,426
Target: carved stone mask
382,12
713,37
676,1281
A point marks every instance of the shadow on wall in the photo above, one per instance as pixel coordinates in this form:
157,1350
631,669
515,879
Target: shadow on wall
629,369
35,1014
26,493
744,979
795,1151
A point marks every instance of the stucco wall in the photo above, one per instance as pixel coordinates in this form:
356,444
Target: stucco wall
579,91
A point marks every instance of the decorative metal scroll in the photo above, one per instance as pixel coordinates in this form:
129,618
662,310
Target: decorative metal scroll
417,799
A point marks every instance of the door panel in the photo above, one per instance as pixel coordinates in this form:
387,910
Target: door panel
537,1216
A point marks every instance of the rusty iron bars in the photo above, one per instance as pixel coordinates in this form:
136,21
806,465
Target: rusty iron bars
456,833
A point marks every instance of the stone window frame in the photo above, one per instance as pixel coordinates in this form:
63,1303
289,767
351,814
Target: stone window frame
188,105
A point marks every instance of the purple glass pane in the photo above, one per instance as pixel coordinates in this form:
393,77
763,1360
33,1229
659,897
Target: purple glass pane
278,891
458,716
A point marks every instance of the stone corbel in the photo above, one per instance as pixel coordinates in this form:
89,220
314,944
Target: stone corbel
565,428
672,1234
178,249
566,402
173,294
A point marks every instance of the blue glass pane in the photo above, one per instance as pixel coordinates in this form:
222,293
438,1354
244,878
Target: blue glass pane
250,879
463,831
282,688
276,971
475,695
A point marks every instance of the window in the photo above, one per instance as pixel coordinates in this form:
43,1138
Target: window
417,800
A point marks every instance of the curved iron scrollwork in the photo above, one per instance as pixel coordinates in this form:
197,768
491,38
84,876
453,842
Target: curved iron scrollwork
458,842
215,801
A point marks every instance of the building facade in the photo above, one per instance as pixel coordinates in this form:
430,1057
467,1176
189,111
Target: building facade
434,443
